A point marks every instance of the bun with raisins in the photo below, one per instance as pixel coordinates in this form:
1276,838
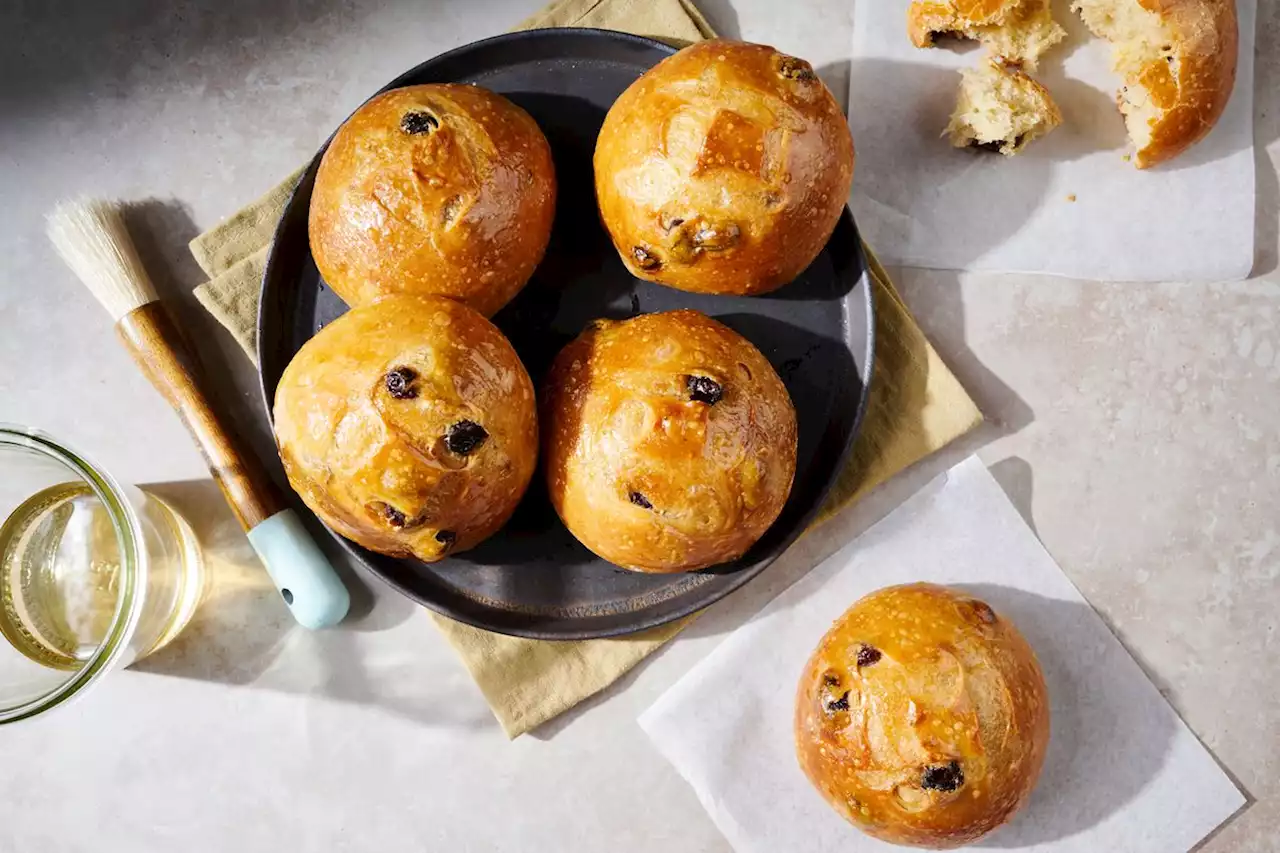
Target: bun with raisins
923,717
723,169
444,189
670,442
408,426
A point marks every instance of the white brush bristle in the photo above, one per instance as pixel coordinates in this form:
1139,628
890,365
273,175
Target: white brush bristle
90,236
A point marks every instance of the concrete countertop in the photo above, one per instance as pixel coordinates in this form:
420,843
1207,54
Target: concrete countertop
1136,427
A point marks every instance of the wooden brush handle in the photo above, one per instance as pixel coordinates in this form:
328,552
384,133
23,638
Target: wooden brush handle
162,354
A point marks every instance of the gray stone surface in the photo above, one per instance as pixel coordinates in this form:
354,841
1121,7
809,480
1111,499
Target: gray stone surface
1137,428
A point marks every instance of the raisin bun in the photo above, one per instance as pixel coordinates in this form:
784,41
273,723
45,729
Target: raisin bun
922,717
408,426
670,441
1178,61
723,169
443,189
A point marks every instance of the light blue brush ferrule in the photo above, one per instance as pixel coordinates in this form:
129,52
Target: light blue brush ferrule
307,581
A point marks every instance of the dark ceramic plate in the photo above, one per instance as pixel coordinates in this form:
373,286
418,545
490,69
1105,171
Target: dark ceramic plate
533,579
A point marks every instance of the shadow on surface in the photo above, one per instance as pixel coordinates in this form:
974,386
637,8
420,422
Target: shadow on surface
722,17
54,54
914,170
241,623
161,229
896,410
1090,120
941,316
811,366
1105,745
243,635
553,727
1266,131
579,271
831,276
836,76
1014,476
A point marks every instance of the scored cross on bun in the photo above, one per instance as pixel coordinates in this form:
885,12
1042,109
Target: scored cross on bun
670,441
723,169
434,190
408,426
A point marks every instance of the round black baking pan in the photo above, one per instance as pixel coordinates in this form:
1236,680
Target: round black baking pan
533,579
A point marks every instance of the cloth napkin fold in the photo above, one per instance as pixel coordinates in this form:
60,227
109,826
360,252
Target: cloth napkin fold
917,406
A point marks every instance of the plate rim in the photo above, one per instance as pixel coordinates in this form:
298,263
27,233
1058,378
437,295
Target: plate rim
735,580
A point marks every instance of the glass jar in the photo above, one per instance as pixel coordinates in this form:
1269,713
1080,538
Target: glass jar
93,575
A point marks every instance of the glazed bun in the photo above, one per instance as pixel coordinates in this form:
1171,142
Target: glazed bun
408,426
922,717
670,442
723,169
446,190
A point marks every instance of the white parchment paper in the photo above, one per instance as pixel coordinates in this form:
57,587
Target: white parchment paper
1122,774
921,202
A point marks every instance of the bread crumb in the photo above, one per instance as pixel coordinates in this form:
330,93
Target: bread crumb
1127,157
1071,197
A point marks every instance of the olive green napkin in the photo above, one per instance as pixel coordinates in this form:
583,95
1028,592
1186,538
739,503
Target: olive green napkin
917,406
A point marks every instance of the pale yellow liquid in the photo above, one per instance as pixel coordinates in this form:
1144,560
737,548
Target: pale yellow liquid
59,575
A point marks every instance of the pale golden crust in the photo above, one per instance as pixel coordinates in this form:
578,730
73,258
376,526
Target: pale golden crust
651,467
1205,47
723,169
385,462
923,717
461,206
1014,30
928,18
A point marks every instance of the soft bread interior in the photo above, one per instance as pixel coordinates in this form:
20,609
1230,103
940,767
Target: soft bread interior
1000,108
1015,30
1024,36
1138,35
1143,54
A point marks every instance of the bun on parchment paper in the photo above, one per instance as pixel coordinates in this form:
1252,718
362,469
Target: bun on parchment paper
1178,61
922,717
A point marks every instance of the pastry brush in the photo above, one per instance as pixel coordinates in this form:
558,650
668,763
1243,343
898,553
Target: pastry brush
90,236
